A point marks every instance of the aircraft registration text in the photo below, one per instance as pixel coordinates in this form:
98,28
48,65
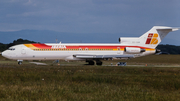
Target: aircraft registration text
58,46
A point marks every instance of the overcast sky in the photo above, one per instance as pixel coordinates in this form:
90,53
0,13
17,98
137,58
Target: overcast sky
89,16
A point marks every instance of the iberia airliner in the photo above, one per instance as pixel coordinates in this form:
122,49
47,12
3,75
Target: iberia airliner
129,47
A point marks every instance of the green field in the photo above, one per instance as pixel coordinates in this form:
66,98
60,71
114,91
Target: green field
155,77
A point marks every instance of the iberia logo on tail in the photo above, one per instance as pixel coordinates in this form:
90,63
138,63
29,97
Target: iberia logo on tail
152,38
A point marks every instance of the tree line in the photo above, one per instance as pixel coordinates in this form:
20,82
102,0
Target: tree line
15,42
168,49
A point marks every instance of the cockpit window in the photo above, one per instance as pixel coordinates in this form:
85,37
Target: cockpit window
11,49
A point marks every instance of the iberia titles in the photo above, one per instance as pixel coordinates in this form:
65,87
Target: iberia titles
58,46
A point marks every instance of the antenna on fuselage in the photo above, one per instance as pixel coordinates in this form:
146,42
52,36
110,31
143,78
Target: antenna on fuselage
56,40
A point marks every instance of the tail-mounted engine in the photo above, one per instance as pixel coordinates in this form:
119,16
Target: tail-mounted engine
132,50
129,40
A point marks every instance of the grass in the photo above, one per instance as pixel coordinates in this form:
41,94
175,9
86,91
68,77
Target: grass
90,83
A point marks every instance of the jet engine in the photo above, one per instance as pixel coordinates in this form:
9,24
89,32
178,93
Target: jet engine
131,40
133,50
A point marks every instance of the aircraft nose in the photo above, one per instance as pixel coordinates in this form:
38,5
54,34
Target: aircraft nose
4,54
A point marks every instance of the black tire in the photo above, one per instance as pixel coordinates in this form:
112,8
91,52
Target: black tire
91,62
20,62
98,63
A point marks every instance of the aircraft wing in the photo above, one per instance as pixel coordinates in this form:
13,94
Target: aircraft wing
88,56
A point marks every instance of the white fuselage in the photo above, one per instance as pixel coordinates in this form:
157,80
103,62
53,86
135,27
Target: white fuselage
66,51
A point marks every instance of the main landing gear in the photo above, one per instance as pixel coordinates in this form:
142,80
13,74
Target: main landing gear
91,62
98,62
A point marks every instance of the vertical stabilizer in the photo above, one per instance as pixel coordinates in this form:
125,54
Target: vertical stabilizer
155,35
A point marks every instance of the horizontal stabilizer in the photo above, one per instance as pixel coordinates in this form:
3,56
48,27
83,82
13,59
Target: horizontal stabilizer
168,28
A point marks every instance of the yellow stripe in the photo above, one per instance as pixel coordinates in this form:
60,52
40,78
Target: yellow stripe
150,49
30,46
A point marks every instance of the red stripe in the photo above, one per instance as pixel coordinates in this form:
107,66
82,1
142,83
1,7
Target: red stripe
44,46
92,47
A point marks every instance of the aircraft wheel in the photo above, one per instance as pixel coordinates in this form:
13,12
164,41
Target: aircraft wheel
98,63
19,62
91,62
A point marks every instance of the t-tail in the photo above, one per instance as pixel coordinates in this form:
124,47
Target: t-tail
151,38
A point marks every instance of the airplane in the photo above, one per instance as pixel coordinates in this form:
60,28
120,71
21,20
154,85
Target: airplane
129,47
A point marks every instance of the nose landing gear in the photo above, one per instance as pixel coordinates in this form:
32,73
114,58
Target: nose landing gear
20,62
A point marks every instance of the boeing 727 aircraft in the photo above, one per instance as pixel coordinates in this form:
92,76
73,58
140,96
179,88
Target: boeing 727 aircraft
129,47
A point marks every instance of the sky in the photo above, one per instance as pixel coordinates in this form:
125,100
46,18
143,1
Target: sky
128,17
